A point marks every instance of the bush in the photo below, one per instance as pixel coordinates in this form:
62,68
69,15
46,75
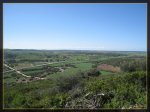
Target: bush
55,101
133,65
66,83
127,89
91,73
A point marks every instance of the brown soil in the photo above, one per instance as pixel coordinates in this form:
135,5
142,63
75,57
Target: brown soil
108,68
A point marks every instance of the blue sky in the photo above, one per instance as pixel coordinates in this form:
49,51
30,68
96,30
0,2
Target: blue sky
76,26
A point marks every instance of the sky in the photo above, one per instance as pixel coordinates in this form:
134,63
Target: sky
119,27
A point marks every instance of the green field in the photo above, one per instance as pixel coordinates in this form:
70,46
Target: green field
106,73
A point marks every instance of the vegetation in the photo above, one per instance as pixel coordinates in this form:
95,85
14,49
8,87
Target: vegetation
75,83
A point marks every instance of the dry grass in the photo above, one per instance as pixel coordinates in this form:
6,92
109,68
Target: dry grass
108,68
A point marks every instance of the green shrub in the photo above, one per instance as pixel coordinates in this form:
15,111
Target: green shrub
67,83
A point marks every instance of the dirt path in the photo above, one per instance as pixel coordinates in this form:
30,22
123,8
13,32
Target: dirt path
16,71
22,73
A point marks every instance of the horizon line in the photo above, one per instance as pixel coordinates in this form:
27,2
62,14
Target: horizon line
71,49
